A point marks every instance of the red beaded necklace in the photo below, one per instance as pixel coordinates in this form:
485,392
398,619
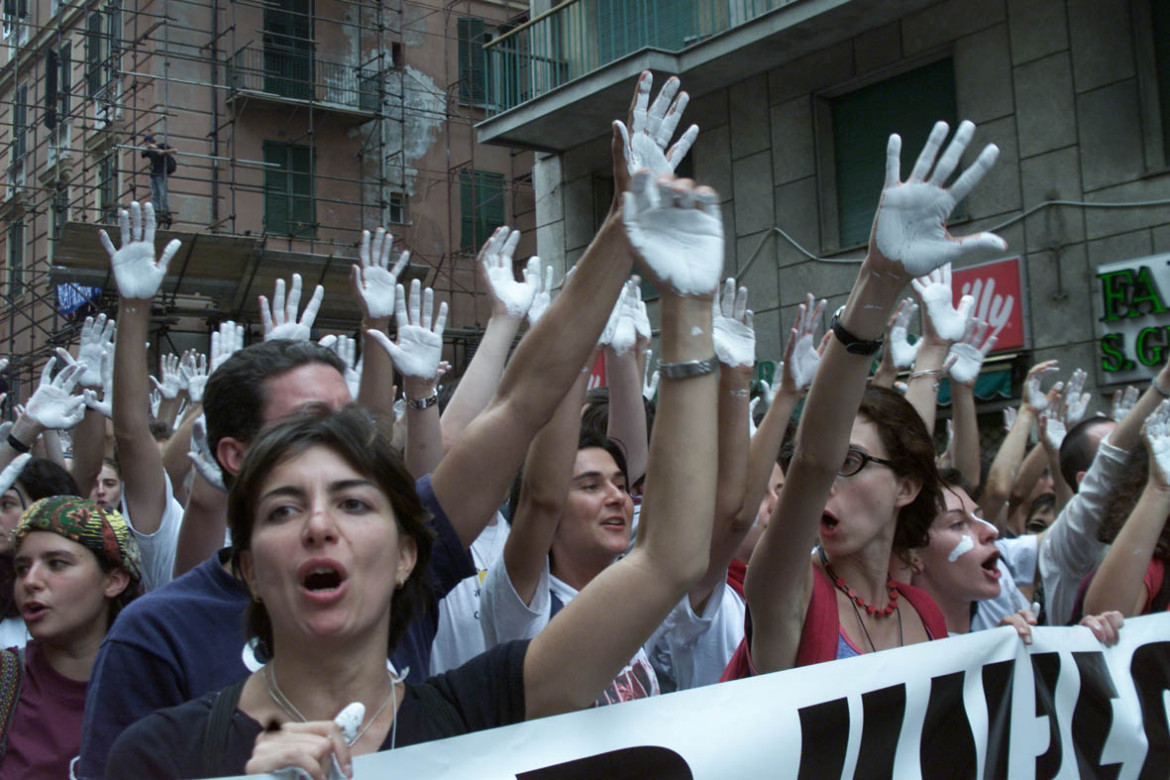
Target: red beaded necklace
839,581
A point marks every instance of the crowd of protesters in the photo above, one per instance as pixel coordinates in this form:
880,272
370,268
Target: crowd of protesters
268,563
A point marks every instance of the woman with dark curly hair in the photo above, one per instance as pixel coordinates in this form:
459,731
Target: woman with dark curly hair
76,565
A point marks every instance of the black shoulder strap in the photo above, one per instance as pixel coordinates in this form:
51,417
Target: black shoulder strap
219,724
555,604
440,710
11,679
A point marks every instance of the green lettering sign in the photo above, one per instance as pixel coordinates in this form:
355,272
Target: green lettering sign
1115,293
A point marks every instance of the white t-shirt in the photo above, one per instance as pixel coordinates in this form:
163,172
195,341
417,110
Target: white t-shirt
504,617
689,650
158,548
460,638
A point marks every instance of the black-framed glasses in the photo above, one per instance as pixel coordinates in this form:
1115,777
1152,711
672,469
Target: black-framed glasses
856,460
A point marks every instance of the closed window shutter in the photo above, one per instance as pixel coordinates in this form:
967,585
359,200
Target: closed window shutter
909,105
303,214
275,189
472,61
93,53
1160,13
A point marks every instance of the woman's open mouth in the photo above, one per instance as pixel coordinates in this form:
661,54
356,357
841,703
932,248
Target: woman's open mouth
991,565
828,524
322,579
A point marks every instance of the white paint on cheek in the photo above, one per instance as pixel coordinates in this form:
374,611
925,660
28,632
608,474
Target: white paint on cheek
696,331
965,545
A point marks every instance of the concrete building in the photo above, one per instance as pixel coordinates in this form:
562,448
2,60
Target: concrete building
297,124
795,99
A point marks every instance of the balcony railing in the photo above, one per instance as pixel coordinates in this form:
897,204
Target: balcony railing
578,37
296,75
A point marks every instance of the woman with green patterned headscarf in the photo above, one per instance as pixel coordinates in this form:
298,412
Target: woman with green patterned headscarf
77,565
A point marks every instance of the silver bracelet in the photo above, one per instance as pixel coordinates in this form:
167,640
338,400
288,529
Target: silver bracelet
687,368
1164,393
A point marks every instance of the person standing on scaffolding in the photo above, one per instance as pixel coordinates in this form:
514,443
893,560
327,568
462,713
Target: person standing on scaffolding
162,165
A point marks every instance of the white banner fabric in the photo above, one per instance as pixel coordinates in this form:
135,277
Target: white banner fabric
981,705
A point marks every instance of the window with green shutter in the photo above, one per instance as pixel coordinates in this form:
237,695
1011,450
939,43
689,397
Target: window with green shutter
481,207
1160,17
908,104
289,205
93,53
472,61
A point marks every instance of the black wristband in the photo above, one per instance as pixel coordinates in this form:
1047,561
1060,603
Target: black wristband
17,444
852,344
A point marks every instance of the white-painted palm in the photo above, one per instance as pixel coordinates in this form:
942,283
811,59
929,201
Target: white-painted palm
646,143
136,272
732,329
910,226
280,321
677,232
53,404
97,335
375,281
420,340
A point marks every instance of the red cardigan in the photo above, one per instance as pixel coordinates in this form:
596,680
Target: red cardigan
822,626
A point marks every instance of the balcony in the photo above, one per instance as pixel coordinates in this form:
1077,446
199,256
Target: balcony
287,76
558,80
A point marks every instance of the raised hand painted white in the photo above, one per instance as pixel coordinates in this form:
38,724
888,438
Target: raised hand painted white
542,299
1076,400
374,280
225,342
12,471
97,334
910,226
53,404
677,232
420,345
172,380
901,350
936,293
105,404
193,367
201,457
515,298
805,358
644,144
137,274
280,322
734,335
970,352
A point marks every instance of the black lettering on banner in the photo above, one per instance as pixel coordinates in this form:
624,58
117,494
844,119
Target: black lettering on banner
1046,670
824,736
948,746
1093,716
1150,668
634,763
883,711
997,690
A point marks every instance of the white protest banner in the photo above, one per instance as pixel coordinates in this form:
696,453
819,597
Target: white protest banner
981,705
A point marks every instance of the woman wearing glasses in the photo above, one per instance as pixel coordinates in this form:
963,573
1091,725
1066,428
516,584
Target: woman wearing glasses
862,478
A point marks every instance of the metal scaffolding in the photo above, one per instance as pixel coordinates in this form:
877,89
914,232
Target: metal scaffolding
84,82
